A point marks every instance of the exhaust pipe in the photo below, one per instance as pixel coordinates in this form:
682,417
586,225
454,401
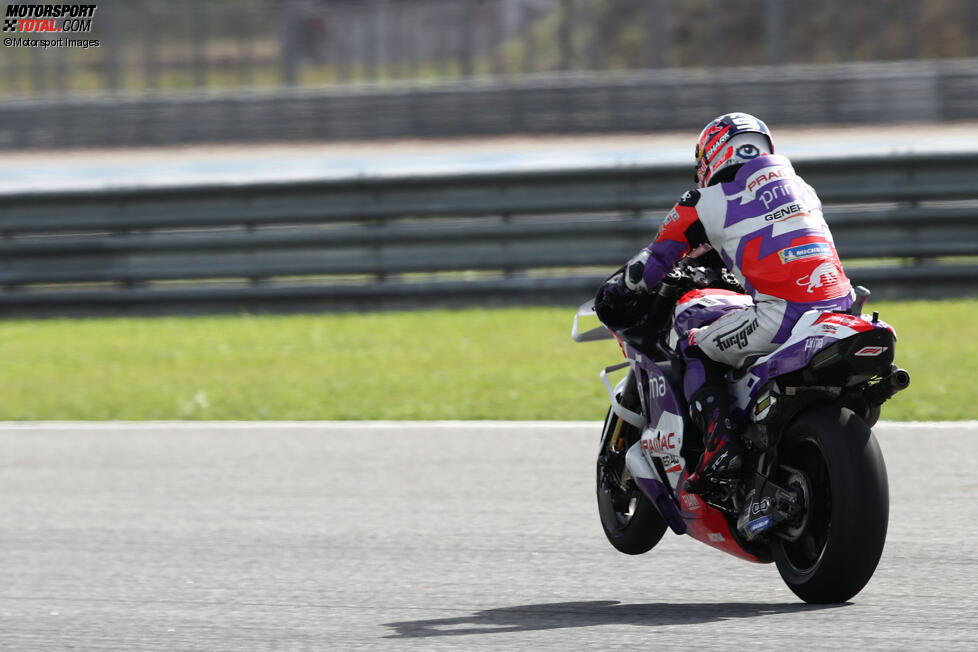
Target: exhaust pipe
896,381
900,379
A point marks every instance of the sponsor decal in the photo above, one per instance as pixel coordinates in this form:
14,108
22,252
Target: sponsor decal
813,250
759,524
764,177
761,507
746,122
815,343
849,321
737,337
755,182
691,502
669,460
659,443
748,151
762,405
871,351
791,210
657,385
824,273
727,154
715,537
717,145
785,191
671,216
719,460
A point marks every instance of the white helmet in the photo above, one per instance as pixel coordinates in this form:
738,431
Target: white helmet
731,139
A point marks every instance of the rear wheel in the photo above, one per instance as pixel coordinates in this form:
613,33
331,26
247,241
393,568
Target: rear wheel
630,521
831,458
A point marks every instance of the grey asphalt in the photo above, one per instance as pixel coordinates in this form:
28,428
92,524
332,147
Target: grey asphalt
426,536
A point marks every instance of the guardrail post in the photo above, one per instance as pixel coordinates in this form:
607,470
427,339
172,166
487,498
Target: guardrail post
657,27
290,53
773,30
113,46
566,36
507,219
148,19
529,43
466,52
199,33
843,10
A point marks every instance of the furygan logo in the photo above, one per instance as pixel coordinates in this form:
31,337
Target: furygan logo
736,338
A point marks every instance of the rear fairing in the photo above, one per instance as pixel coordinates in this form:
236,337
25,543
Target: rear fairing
814,332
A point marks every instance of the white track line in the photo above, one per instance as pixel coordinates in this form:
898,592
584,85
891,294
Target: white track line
357,425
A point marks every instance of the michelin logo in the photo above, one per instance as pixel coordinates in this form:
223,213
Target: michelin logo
791,254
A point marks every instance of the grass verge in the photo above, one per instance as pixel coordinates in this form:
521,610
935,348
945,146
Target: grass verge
472,364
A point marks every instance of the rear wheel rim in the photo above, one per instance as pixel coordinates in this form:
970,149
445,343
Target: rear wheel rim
804,553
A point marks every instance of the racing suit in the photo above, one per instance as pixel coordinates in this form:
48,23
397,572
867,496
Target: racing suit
767,226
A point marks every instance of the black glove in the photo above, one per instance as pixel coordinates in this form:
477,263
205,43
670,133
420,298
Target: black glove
615,305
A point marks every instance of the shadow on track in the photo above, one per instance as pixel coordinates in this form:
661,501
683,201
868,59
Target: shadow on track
562,615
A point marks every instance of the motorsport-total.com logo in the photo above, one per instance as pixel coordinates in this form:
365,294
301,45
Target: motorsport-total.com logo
48,21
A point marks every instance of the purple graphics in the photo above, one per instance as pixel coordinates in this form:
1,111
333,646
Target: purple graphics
814,332
662,497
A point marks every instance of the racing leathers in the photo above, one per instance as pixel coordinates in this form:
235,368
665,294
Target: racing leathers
767,226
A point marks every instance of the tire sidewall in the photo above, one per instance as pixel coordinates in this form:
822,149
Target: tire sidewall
859,493
646,526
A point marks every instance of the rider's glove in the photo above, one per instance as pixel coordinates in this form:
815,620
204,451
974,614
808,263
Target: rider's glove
613,290
615,304
635,272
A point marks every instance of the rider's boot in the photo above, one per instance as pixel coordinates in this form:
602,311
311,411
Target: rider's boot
723,456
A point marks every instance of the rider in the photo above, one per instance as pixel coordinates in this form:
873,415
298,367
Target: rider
766,224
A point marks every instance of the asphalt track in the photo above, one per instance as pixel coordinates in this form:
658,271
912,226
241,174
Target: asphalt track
426,536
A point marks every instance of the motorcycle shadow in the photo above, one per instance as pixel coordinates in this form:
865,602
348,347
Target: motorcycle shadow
563,615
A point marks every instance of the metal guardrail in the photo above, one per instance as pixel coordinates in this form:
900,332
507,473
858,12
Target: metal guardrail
652,100
547,236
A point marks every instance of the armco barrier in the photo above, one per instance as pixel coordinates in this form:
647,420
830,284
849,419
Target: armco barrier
545,236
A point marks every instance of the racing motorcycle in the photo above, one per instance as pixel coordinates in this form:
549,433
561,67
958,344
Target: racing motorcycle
813,495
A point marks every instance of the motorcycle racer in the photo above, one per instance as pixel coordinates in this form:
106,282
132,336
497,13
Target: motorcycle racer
766,224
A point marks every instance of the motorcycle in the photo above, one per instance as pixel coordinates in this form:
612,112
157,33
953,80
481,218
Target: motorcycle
813,495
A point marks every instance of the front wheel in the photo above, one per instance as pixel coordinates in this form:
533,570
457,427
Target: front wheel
630,520
832,457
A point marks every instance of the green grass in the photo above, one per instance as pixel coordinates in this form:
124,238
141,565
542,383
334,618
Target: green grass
471,364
